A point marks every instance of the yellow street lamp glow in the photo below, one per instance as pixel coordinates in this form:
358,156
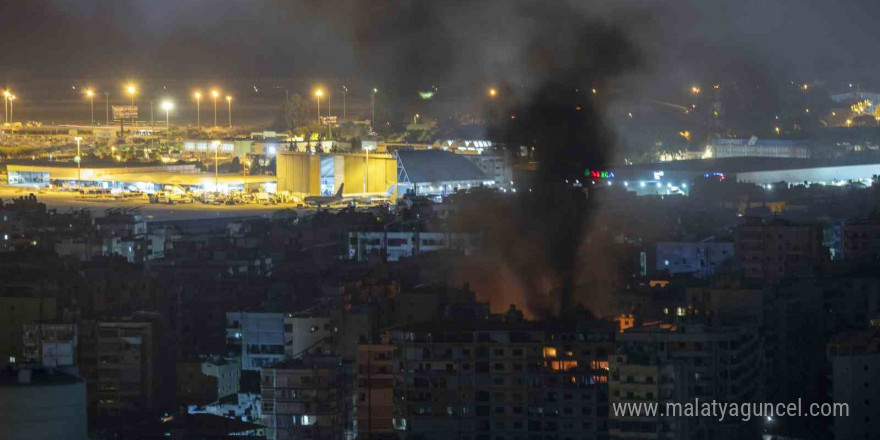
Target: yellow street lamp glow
215,93
319,92
6,93
594,91
228,98
493,92
167,105
198,95
90,93
131,89
12,98
695,90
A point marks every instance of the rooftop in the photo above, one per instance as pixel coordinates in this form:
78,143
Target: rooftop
437,166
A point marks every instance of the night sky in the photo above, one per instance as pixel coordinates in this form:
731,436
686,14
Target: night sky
445,40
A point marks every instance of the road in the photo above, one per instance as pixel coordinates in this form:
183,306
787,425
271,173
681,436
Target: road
152,212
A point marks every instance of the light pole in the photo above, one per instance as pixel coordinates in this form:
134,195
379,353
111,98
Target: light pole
344,92
131,90
373,109
329,116
6,96
215,94
11,109
107,97
6,106
216,166
229,109
78,160
318,94
91,94
198,96
167,106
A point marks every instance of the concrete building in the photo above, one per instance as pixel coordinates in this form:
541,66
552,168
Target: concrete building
861,241
15,311
754,147
307,398
375,391
496,379
50,345
693,360
323,173
777,249
208,380
397,245
855,380
257,336
42,404
141,177
701,259
495,165
307,334
119,362
437,172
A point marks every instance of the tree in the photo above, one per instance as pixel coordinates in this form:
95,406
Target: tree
293,113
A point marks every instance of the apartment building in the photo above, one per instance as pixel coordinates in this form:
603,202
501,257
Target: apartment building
118,361
776,249
855,380
501,380
308,398
375,391
257,336
694,359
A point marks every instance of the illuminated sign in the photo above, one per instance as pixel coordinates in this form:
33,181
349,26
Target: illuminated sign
720,176
595,174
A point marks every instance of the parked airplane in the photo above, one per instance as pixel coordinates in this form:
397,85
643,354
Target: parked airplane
344,200
320,201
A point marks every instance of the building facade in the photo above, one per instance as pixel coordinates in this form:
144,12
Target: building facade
501,380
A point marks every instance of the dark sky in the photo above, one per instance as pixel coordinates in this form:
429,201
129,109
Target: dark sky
801,39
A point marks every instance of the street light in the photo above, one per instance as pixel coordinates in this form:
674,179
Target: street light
78,159
216,145
91,95
6,96
131,90
373,108
215,94
198,96
229,103
318,94
344,92
167,106
695,90
493,92
11,110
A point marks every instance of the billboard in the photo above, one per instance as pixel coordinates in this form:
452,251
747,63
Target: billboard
328,120
121,112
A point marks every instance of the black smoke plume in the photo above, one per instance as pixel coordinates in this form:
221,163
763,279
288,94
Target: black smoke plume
552,67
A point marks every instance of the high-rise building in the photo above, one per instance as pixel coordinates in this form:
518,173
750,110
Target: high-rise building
495,379
308,398
375,391
681,363
52,345
119,361
15,311
778,249
257,336
855,381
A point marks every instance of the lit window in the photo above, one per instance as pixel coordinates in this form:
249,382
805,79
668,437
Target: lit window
549,352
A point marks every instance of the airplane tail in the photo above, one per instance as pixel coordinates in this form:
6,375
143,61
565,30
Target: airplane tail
339,193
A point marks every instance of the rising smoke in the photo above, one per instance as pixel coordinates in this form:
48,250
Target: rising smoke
545,63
